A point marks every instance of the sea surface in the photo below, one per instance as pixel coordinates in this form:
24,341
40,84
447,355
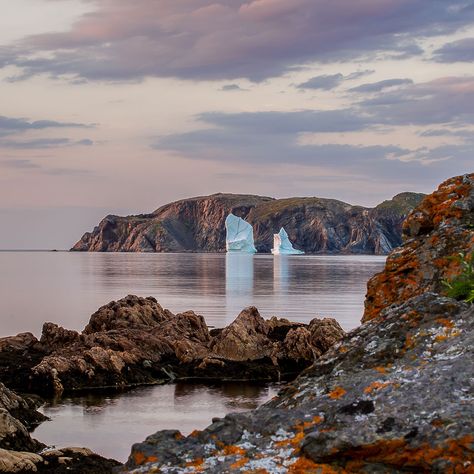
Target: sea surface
66,288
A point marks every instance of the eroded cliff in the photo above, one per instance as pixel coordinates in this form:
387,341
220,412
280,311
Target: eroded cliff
313,224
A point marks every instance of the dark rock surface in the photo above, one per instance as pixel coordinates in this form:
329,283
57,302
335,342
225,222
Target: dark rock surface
313,224
135,341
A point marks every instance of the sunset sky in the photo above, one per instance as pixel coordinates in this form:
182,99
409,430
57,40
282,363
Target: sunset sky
120,106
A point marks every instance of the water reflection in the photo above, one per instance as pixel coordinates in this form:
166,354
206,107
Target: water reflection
109,423
280,274
239,282
66,288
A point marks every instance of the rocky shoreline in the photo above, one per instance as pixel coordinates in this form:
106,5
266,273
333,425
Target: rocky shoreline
394,395
134,341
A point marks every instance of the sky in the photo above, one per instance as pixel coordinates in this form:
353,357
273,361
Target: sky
120,106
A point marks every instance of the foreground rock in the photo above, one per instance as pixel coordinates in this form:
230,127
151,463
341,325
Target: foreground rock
440,228
135,341
19,451
395,395
313,224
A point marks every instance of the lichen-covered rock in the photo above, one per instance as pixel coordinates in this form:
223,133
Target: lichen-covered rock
135,341
396,395
441,227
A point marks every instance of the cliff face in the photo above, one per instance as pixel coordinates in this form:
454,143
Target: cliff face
393,396
313,225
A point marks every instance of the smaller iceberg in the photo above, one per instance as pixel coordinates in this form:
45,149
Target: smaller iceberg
239,235
282,244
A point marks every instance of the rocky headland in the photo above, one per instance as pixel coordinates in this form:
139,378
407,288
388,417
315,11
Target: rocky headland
314,225
394,395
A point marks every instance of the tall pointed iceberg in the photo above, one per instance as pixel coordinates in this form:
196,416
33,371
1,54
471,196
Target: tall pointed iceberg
282,244
239,235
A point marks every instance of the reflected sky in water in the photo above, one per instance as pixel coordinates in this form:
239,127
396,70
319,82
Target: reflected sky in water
66,288
110,424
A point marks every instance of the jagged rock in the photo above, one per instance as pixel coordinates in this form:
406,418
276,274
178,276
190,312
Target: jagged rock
441,227
135,341
16,416
313,225
129,312
244,339
325,333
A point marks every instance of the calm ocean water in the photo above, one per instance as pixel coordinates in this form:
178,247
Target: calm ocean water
66,288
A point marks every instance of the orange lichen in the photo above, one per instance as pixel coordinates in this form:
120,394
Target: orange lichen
409,341
231,450
317,420
196,463
337,393
304,465
399,454
140,458
447,323
375,386
239,463
195,433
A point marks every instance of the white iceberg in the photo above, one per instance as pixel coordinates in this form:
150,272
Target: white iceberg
239,235
282,244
